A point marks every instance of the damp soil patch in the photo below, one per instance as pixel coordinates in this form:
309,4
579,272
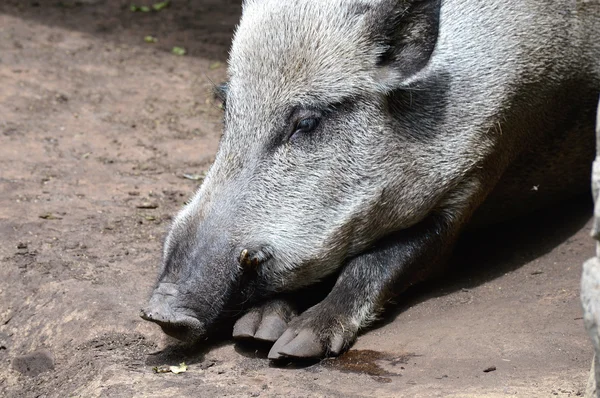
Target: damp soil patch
369,362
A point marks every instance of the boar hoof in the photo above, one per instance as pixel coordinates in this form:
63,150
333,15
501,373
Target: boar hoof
304,344
264,323
315,334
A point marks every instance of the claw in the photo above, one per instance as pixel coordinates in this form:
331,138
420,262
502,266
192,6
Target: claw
246,326
305,345
288,336
270,329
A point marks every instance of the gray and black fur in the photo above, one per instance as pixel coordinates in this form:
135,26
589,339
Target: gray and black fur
361,137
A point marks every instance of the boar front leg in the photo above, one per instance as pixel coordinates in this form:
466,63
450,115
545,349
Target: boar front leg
364,285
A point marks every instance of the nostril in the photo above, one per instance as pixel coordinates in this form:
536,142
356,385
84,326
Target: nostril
146,315
158,315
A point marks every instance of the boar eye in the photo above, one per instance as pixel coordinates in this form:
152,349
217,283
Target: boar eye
305,126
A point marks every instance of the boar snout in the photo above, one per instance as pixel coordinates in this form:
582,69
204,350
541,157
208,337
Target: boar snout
200,282
163,309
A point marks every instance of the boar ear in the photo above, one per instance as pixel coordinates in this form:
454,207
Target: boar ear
407,31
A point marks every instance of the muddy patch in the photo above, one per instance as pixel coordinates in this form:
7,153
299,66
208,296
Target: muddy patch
370,362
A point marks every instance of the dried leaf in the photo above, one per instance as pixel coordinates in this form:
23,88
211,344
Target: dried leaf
161,369
161,5
172,369
178,51
194,177
134,8
178,369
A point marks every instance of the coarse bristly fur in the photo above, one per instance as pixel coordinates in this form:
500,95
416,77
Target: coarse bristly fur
360,139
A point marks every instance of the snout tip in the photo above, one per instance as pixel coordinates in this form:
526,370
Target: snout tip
145,315
148,314
158,314
182,327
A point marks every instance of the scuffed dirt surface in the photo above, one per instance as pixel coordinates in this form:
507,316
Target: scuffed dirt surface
97,128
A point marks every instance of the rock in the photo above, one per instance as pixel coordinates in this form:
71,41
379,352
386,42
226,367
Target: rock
590,280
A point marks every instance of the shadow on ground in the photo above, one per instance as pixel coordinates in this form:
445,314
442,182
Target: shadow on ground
485,254
203,27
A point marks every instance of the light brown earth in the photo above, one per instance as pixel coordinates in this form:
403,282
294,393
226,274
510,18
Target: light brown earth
95,123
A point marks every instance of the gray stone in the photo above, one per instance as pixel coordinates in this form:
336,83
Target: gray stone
590,280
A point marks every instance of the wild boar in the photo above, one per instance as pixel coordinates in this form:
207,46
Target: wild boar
360,138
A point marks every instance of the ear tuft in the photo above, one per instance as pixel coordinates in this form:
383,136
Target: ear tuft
220,92
408,32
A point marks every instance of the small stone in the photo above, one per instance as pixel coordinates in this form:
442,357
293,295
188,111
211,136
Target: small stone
62,98
147,205
537,272
49,216
22,245
34,363
490,369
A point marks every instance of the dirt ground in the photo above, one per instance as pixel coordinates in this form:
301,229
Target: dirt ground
97,129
